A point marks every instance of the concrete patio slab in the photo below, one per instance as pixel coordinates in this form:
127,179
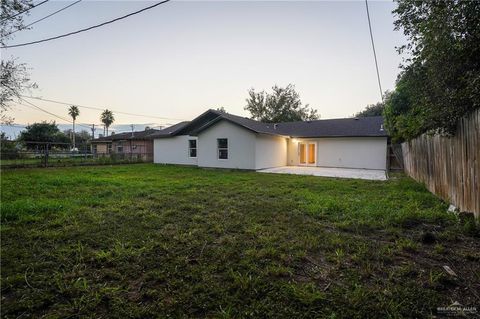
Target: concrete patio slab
370,174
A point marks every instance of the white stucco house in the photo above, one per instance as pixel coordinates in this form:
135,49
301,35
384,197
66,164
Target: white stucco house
222,140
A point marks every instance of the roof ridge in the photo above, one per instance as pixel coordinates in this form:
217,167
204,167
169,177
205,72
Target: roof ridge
334,119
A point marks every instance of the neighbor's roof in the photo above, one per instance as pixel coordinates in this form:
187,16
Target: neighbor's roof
169,131
347,127
137,135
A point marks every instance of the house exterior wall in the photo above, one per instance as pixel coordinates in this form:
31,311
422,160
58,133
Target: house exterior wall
173,150
345,152
270,151
133,146
102,148
241,146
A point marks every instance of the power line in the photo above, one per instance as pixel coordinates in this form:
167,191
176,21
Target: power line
90,127
86,29
101,109
28,9
48,16
374,53
53,114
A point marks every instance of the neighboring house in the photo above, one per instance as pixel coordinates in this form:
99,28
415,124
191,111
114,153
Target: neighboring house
138,143
217,139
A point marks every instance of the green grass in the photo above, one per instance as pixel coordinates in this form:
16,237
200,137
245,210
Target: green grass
56,161
148,241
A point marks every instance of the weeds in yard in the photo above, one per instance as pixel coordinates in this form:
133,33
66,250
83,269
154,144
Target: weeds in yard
147,241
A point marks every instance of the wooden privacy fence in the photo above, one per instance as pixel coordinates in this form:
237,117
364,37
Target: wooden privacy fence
449,166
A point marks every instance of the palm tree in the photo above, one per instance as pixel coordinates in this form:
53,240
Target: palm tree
107,119
73,112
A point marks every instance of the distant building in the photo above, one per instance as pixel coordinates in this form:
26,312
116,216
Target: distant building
132,143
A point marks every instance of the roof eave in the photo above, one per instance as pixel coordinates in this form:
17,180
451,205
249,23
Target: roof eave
326,136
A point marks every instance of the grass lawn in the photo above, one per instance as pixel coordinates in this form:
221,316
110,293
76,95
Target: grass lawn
162,241
54,161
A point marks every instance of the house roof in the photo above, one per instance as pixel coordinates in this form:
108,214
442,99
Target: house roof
346,127
252,125
169,131
137,135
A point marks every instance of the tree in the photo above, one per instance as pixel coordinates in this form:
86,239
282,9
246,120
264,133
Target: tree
372,110
107,120
82,138
440,80
14,76
38,134
73,112
8,147
283,105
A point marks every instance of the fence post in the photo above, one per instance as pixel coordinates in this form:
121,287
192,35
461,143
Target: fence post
46,154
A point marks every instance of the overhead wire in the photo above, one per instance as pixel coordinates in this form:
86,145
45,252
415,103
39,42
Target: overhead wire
23,11
374,52
86,29
29,104
102,109
46,17
89,126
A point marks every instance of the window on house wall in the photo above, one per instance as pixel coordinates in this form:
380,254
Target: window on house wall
222,146
192,148
94,148
109,147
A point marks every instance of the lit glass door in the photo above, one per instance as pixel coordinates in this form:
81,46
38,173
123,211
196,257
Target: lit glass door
307,153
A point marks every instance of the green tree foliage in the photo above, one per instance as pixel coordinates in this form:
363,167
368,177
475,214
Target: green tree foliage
107,119
283,105
8,148
82,138
35,135
372,110
440,81
6,144
14,76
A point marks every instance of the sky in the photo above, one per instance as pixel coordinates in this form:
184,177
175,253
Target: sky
183,57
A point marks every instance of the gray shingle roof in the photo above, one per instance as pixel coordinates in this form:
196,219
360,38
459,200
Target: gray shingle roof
255,126
346,127
169,131
137,135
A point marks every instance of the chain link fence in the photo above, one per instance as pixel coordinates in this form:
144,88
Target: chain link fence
52,158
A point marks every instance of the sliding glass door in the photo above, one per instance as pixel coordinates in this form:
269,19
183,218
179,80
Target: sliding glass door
307,153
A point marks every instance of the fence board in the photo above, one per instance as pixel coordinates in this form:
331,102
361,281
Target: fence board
449,166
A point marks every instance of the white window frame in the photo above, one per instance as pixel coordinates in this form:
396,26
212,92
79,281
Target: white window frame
192,148
222,149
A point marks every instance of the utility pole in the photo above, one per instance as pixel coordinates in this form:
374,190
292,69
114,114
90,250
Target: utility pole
93,131
131,149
